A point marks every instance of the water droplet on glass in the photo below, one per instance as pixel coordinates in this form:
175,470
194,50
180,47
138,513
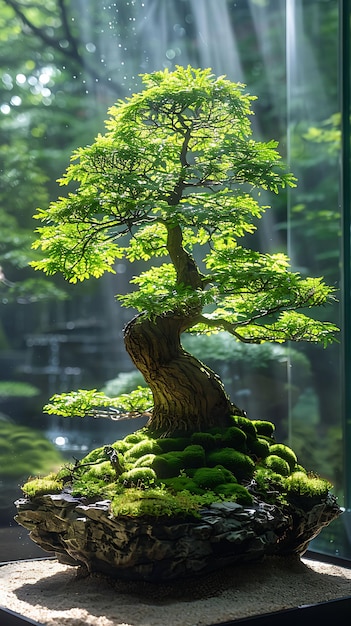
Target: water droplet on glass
7,80
20,79
5,109
90,47
16,101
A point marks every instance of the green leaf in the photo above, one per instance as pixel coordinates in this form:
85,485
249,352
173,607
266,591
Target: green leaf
87,402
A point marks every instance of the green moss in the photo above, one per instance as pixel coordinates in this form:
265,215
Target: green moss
285,453
95,456
179,474
122,446
101,471
41,486
145,446
259,447
236,438
138,475
193,456
238,463
298,487
144,461
173,444
183,483
301,484
269,484
247,425
65,472
206,440
139,435
167,465
235,492
155,503
277,464
210,477
264,428
91,488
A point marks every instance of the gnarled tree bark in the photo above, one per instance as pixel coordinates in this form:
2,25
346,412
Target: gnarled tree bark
188,395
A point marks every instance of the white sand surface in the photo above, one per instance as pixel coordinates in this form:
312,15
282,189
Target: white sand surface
58,595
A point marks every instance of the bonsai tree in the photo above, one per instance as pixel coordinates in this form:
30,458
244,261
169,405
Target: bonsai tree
177,175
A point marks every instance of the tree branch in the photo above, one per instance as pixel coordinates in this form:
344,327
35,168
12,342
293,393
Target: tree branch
228,326
186,268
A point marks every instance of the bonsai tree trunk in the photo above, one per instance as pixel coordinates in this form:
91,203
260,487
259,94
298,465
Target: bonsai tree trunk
188,396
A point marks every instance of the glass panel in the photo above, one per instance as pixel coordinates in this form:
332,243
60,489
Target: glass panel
315,427
68,64
345,100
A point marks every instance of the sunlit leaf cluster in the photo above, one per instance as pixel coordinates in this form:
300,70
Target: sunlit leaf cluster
159,292
91,402
328,133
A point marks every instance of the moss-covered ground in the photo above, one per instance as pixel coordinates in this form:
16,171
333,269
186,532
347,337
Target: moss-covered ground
143,474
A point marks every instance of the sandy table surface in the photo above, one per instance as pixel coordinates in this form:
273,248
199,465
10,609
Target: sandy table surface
51,593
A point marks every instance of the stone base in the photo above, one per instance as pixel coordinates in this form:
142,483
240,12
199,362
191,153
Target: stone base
154,549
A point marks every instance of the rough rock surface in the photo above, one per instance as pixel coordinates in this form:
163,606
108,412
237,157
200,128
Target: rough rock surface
85,534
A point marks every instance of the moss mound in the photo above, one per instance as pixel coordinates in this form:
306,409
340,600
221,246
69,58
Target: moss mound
145,446
277,464
246,425
41,486
285,453
146,475
264,428
167,465
210,477
259,448
241,465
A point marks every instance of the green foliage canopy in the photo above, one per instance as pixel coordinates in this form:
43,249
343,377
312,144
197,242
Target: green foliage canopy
176,168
